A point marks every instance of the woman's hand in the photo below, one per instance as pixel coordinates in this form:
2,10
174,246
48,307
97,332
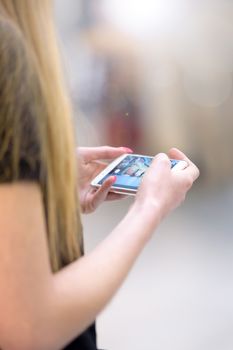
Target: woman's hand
163,189
90,164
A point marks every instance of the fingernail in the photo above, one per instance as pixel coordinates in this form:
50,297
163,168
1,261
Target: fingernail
127,149
113,178
162,156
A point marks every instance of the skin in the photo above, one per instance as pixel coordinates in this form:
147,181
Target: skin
42,310
90,164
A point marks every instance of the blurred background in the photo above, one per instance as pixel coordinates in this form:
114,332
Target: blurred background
152,74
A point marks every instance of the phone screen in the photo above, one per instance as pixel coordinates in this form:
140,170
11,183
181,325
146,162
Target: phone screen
130,170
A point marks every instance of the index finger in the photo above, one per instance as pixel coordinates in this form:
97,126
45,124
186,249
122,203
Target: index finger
104,152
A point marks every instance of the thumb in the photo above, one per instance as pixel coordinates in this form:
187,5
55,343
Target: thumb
101,194
160,165
160,161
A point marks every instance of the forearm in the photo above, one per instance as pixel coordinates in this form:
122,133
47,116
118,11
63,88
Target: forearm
84,288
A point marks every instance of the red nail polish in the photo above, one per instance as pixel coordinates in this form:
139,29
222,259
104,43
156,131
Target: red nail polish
114,178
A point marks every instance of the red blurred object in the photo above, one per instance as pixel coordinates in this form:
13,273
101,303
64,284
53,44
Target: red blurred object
123,129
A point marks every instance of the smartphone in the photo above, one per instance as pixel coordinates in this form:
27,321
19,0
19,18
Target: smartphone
129,170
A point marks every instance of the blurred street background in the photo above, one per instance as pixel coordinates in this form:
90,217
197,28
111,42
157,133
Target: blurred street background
152,74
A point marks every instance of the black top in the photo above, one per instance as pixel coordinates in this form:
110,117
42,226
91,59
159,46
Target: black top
86,341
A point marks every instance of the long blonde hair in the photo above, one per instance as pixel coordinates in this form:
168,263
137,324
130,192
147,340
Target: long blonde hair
34,23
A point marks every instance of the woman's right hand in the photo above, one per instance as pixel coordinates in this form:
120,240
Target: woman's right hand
163,189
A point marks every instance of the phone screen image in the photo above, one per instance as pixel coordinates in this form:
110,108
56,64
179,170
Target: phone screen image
129,172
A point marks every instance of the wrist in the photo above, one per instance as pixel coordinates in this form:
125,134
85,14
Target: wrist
147,215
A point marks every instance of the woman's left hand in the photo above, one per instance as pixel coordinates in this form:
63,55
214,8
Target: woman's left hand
90,164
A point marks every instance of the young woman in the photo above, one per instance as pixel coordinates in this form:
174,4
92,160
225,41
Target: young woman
50,292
